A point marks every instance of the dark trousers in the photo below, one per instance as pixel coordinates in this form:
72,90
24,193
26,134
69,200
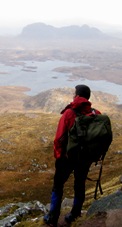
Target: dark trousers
63,168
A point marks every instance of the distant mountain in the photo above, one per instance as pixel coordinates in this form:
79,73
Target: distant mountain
13,99
54,100
41,31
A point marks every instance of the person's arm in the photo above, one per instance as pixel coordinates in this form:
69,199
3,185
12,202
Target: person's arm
61,137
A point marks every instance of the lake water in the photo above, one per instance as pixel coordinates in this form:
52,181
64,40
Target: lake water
40,76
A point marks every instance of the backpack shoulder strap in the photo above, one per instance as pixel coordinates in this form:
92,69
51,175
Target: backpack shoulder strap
78,113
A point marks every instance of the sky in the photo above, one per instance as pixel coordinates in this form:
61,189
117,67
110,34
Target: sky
16,14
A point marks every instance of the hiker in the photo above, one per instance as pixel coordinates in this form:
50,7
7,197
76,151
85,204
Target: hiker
66,164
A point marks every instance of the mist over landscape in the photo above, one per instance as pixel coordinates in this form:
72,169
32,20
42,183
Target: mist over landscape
43,57
39,68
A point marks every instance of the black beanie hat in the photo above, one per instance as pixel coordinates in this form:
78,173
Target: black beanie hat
83,91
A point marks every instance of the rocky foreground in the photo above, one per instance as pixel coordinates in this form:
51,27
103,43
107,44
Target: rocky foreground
106,212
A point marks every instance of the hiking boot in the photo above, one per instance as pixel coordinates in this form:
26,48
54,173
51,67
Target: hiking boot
70,217
50,220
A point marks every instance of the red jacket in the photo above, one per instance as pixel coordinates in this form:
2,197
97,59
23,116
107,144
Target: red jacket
66,122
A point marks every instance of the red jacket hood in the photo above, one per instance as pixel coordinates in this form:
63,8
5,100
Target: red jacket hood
79,103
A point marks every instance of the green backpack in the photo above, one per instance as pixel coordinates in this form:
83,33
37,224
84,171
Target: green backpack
90,135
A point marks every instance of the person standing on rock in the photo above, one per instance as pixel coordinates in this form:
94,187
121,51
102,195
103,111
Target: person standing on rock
65,165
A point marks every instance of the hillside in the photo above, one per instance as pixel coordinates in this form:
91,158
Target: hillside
14,99
27,162
28,123
55,100
28,126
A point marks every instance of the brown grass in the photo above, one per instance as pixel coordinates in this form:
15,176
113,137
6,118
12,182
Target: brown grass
27,162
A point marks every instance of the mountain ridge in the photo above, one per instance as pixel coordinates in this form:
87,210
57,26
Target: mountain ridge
13,99
43,31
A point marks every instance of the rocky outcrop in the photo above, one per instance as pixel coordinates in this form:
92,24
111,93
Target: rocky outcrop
110,205
110,202
21,210
107,210
54,100
114,218
13,99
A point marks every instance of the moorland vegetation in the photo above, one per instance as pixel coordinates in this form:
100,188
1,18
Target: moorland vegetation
26,152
